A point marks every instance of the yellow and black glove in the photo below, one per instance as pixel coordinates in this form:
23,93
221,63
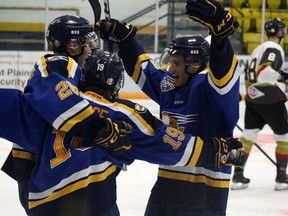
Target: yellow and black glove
228,152
115,137
212,14
115,30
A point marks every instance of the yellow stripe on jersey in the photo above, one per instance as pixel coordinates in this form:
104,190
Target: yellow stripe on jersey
199,178
137,69
143,122
197,151
69,67
223,81
22,154
83,183
138,117
128,111
77,118
44,66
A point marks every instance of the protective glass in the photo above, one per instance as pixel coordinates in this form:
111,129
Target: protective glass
89,40
164,59
190,60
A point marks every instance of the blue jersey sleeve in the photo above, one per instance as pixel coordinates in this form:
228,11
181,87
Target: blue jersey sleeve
19,122
222,73
52,91
152,140
143,70
223,81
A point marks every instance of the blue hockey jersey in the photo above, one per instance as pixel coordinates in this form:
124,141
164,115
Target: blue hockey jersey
64,181
67,181
52,90
208,106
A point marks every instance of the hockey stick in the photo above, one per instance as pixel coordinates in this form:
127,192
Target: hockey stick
96,7
260,148
108,17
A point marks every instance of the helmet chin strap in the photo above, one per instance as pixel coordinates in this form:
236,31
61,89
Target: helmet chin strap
282,35
201,68
280,39
75,57
186,70
190,75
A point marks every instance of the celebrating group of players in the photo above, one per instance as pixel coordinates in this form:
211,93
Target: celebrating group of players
72,135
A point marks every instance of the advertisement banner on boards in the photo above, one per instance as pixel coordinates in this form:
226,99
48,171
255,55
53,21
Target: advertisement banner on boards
16,66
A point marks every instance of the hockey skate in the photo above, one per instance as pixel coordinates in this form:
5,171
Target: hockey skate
239,181
281,179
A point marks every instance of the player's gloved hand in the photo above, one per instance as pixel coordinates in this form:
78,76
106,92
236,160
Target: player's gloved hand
229,152
115,30
212,14
115,137
283,77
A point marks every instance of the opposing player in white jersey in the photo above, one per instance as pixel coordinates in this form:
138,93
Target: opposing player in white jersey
265,101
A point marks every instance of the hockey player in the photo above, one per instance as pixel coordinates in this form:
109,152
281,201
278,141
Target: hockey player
193,97
52,89
265,102
101,88
68,181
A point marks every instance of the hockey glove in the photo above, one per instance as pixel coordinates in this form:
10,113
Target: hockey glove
211,14
283,77
228,152
116,31
115,137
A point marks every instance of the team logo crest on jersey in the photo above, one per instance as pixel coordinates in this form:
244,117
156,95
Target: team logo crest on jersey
167,84
178,120
139,108
254,93
169,120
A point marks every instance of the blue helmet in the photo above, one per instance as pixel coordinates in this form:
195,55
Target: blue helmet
192,48
67,27
104,71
